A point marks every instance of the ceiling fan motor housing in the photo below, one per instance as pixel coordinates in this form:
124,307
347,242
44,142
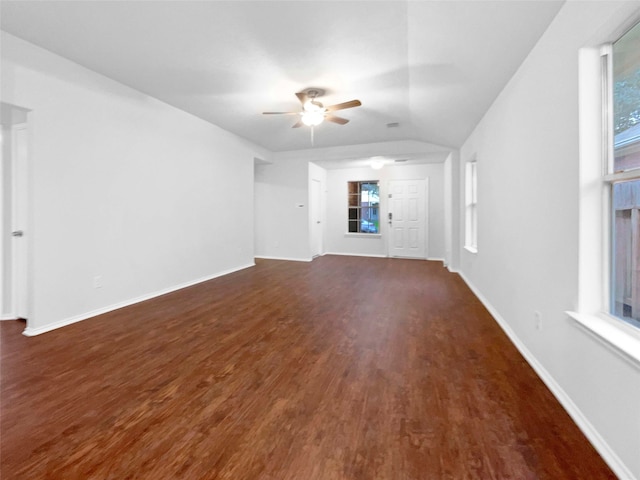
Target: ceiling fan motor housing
313,92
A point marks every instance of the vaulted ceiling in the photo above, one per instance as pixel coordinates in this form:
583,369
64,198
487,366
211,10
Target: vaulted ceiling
432,67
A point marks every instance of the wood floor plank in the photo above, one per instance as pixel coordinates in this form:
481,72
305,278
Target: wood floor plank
343,368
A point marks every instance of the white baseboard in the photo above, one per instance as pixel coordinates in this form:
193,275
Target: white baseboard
356,254
430,259
592,434
30,331
288,259
8,316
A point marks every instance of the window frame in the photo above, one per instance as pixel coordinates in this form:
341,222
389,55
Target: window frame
610,176
596,146
471,206
359,208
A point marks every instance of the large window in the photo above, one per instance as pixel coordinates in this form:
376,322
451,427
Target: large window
363,207
471,206
623,174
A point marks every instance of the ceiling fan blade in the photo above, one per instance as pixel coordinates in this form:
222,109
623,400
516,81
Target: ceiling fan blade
334,119
302,97
298,124
280,113
342,106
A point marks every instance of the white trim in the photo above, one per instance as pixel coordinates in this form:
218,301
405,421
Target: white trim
471,204
592,434
288,259
435,259
593,212
8,316
621,176
373,255
30,332
362,235
20,203
614,332
409,258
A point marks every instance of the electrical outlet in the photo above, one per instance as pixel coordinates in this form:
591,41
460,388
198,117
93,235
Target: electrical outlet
97,281
537,320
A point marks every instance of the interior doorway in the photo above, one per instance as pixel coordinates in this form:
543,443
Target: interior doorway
14,300
315,213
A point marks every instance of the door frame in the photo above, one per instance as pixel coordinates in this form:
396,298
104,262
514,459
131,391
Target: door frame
20,221
16,120
316,206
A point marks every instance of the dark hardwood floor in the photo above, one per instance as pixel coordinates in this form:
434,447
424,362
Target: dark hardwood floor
343,368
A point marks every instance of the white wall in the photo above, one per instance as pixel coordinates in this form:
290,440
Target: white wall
527,260
336,224
282,209
123,187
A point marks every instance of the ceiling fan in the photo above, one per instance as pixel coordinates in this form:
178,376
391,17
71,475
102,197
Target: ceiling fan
313,112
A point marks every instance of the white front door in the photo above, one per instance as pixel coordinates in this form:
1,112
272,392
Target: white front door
407,218
19,284
316,229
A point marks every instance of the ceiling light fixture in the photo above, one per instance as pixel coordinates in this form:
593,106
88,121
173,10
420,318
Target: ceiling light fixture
312,119
377,163
313,113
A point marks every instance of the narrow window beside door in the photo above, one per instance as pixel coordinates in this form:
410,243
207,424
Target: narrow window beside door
363,207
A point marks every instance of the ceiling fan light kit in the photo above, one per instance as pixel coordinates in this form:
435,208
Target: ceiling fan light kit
313,113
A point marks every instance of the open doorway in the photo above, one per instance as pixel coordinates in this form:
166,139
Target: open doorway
14,301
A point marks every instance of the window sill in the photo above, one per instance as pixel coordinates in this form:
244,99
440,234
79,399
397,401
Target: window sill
362,235
471,249
613,332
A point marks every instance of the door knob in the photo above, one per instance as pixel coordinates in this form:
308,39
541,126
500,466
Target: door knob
17,233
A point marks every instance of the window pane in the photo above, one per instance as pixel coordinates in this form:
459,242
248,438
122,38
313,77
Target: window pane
370,194
369,222
471,198
353,226
626,101
626,250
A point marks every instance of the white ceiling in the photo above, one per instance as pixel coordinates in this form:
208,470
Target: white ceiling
432,66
